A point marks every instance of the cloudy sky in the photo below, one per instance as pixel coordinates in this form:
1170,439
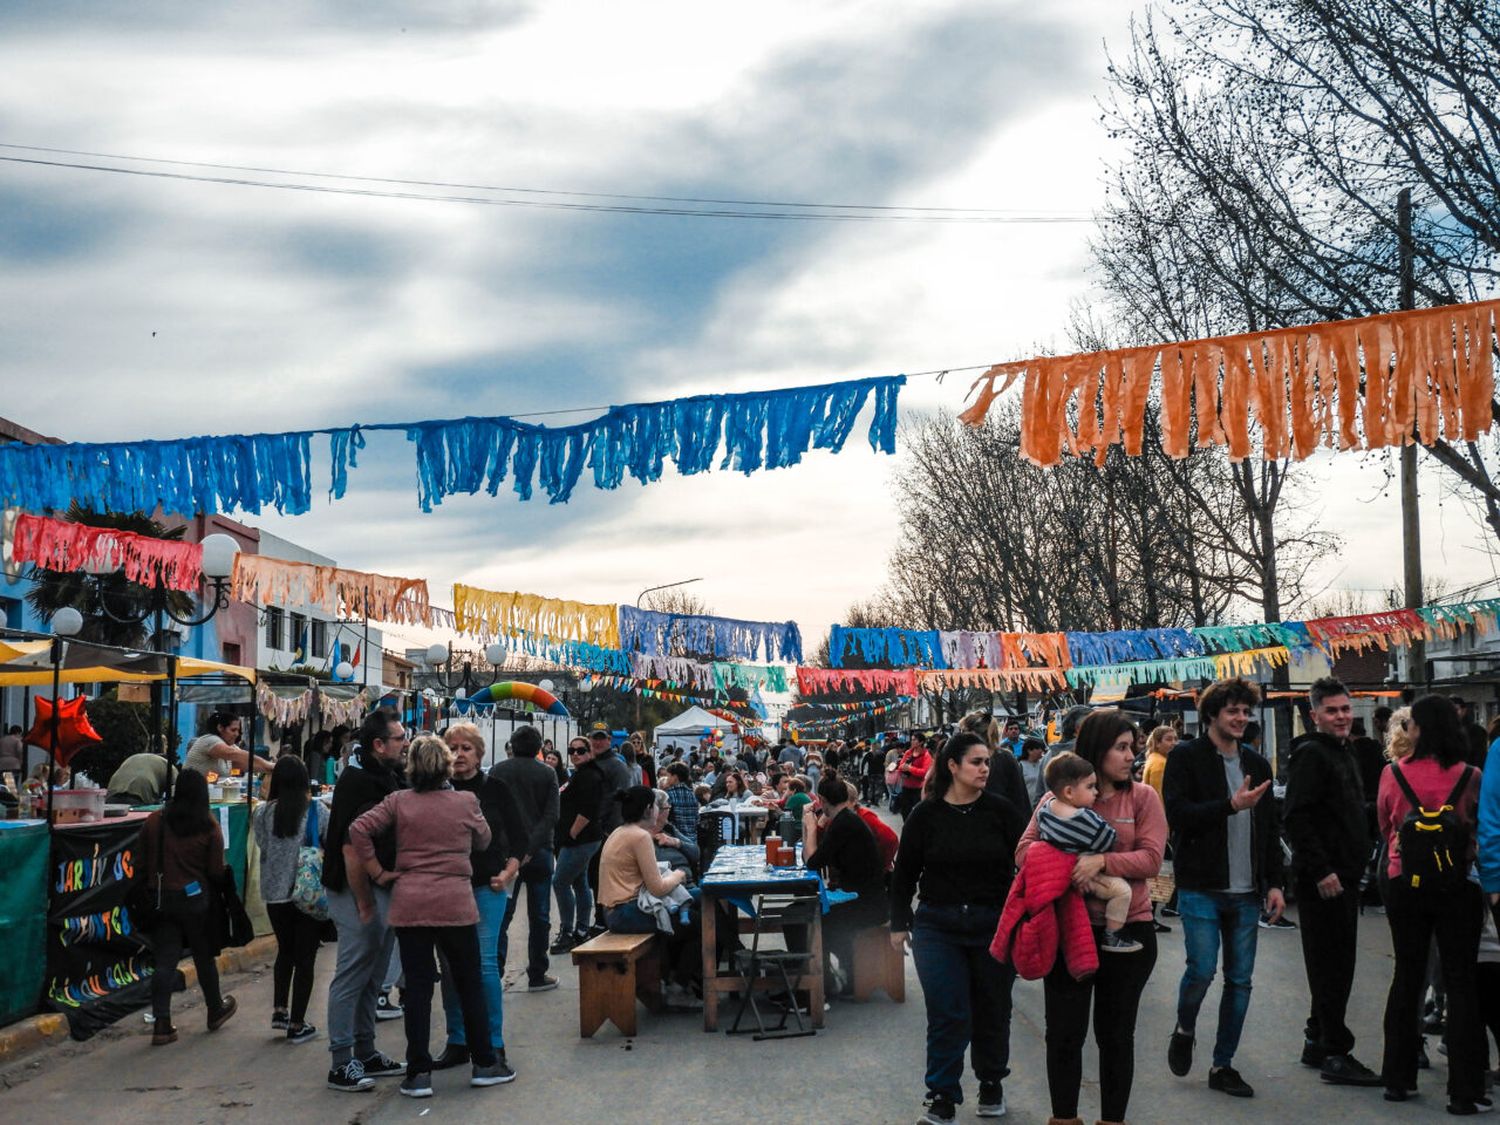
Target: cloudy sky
142,307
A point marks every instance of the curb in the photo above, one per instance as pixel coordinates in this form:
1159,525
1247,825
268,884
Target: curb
51,1028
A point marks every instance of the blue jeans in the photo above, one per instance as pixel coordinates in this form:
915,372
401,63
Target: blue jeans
491,917
1209,917
536,877
570,882
967,993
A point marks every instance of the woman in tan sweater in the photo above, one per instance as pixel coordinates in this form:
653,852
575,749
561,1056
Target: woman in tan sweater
627,865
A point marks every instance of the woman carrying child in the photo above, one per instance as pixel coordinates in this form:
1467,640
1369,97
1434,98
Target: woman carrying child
1106,740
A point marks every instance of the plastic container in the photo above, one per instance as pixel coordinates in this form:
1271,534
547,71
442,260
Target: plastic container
73,806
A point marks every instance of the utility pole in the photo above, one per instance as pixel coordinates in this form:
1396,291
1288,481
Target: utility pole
1411,524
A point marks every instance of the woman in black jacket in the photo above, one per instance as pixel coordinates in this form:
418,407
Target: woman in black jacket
184,844
957,855
495,871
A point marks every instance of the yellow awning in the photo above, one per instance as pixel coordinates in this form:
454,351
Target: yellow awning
29,664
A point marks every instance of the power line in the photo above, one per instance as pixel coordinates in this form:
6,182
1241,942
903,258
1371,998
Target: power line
705,207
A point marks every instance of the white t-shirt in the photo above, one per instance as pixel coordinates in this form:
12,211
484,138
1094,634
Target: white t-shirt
199,758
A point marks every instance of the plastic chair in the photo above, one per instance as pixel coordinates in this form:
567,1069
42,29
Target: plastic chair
787,967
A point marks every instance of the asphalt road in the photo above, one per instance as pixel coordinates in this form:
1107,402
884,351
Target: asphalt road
866,1066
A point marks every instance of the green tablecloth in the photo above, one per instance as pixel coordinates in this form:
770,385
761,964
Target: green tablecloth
23,919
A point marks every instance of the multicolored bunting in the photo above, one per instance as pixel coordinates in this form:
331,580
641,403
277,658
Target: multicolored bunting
62,545
661,689
262,580
486,613
875,681
749,677
760,430
1147,671
1351,384
1448,621
663,634
1123,646
1238,638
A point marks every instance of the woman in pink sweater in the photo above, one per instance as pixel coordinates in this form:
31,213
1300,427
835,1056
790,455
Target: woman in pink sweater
1436,775
432,903
1106,740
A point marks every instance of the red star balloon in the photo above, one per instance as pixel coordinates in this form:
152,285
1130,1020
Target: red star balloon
74,731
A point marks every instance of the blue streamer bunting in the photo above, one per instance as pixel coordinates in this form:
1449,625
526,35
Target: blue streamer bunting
760,430
244,472
901,648
1125,645
667,634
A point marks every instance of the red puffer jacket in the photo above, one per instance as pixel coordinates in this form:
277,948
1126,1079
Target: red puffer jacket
1045,913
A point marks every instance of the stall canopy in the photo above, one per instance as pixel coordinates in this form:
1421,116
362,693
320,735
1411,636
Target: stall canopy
29,663
690,726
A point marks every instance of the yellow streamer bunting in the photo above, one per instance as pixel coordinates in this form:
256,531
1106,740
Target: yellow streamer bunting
486,613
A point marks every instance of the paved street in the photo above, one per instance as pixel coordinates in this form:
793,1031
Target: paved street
865,1067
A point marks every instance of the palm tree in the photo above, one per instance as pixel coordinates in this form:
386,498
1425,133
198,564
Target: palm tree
52,590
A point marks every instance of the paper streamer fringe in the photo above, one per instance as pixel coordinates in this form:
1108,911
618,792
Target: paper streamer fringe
490,614
62,545
666,634
761,430
1351,384
262,580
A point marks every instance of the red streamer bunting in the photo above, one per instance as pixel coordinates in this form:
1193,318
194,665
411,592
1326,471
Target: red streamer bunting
62,545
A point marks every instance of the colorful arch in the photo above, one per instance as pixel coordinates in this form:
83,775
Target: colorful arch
521,692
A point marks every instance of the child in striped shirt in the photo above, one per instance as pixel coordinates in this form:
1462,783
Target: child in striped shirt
1069,823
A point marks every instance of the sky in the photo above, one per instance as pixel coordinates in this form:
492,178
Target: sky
138,307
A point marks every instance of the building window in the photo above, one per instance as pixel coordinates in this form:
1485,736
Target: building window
275,620
297,638
319,639
231,653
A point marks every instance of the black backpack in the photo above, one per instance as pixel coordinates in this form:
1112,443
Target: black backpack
1433,843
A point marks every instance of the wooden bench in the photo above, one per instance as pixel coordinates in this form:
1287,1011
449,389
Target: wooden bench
615,970
878,965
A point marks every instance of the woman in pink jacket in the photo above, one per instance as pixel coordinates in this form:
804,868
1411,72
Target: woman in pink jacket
1106,739
432,904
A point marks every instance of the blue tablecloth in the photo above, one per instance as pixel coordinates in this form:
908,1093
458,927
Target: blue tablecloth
745,867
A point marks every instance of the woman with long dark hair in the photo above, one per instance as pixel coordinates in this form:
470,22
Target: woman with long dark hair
1106,740
1436,775
957,856
286,822
184,843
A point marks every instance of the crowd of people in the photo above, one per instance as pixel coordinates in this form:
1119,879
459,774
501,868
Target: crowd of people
1017,857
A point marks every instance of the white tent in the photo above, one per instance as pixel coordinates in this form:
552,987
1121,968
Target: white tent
688,729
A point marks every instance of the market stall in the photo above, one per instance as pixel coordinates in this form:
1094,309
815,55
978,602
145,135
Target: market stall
687,730
63,899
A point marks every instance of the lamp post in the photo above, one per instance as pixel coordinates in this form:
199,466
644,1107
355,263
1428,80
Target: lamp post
219,551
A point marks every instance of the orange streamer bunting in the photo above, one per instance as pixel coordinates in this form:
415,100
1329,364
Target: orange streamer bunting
1427,376
267,581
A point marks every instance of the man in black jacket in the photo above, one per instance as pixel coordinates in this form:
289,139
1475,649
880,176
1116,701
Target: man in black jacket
1227,862
364,948
1330,839
534,785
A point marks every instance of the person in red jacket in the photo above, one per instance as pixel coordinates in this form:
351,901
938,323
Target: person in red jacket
912,768
885,836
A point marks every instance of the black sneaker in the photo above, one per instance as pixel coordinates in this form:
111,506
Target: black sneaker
1313,1054
940,1110
381,1065
991,1100
417,1086
1161,927
280,1020
301,1033
1170,912
498,1073
1346,1070
1227,1080
1282,923
1469,1109
388,1009
563,943
1180,1053
545,983
453,1055
350,1077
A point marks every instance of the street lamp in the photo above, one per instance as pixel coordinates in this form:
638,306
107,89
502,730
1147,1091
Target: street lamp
440,656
